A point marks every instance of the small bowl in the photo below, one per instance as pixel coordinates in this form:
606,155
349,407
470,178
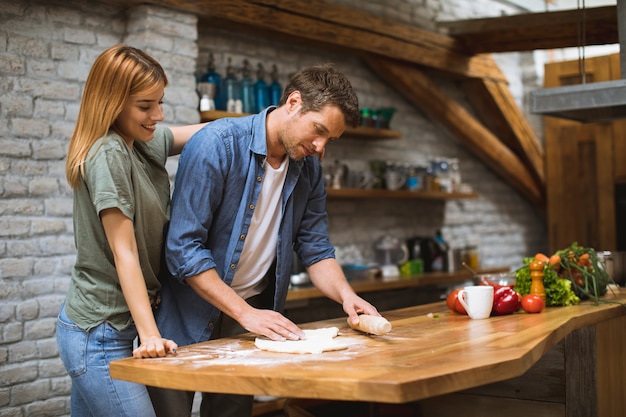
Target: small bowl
503,279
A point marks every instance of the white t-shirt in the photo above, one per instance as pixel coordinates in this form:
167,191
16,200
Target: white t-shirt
259,249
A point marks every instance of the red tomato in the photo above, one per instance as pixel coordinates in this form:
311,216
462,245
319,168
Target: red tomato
459,307
450,300
453,303
532,303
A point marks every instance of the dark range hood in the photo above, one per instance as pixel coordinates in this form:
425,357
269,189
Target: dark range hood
588,103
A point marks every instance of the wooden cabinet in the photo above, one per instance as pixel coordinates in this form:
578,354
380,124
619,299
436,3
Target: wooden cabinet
583,164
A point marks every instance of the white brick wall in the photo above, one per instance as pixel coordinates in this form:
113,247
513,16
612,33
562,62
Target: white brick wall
46,49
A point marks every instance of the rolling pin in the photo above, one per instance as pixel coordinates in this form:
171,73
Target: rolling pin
371,324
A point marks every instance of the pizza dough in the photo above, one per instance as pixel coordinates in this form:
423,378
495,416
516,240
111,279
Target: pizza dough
317,341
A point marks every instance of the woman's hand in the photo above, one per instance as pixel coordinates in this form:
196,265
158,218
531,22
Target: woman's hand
155,347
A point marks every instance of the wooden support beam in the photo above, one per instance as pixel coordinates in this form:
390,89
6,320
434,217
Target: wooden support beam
418,89
498,110
530,31
383,41
346,28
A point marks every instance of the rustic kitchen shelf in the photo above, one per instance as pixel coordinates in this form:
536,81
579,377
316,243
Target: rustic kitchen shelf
399,194
361,132
368,285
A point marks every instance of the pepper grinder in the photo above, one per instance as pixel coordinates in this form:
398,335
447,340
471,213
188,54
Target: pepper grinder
536,275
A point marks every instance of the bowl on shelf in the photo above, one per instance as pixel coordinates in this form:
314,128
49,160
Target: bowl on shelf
354,272
501,278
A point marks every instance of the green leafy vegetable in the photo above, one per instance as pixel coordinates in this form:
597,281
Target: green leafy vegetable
559,291
582,267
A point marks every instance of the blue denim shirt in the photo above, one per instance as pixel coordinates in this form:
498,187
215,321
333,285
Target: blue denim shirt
217,186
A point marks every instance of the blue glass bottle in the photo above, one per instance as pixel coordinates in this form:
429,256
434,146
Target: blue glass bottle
232,90
276,91
215,80
247,89
261,91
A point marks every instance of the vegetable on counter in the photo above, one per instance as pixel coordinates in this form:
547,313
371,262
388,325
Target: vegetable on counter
583,268
559,290
452,301
532,303
505,301
570,274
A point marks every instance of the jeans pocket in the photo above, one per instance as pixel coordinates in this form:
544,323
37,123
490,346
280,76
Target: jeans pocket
72,343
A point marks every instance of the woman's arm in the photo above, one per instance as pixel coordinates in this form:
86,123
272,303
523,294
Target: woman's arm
121,237
182,135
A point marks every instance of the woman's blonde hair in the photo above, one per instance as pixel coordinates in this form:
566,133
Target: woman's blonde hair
117,73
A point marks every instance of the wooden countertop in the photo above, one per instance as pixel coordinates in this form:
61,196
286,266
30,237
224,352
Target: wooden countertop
392,283
421,357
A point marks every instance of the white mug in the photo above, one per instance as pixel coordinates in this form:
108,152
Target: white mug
477,300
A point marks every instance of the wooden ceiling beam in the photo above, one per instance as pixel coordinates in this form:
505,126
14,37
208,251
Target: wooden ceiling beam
498,110
531,31
423,93
343,27
410,49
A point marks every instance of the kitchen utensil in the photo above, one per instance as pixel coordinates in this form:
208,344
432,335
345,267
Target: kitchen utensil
389,253
371,324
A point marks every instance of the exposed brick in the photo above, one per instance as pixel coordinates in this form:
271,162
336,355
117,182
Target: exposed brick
15,268
48,348
27,310
28,393
79,36
19,352
15,148
29,128
44,186
48,407
59,207
39,329
51,368
47,226
11,227
17,104
50,149
13,374
5,397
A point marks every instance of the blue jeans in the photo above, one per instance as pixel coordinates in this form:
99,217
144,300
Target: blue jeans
86,357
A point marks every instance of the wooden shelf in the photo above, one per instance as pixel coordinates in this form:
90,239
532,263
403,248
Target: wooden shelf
361,132
399,194
366,285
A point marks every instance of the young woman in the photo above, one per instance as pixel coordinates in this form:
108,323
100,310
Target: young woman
116,168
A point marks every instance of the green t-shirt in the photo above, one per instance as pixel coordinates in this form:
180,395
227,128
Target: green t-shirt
135,181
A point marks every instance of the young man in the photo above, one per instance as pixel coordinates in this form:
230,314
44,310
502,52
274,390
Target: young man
248,192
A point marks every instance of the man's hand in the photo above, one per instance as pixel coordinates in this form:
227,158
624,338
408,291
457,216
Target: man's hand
354,305
270,324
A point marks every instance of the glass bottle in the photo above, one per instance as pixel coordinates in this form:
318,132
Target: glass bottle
444,176
247,89
455,174
209,86
276,90
261,90
232,90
